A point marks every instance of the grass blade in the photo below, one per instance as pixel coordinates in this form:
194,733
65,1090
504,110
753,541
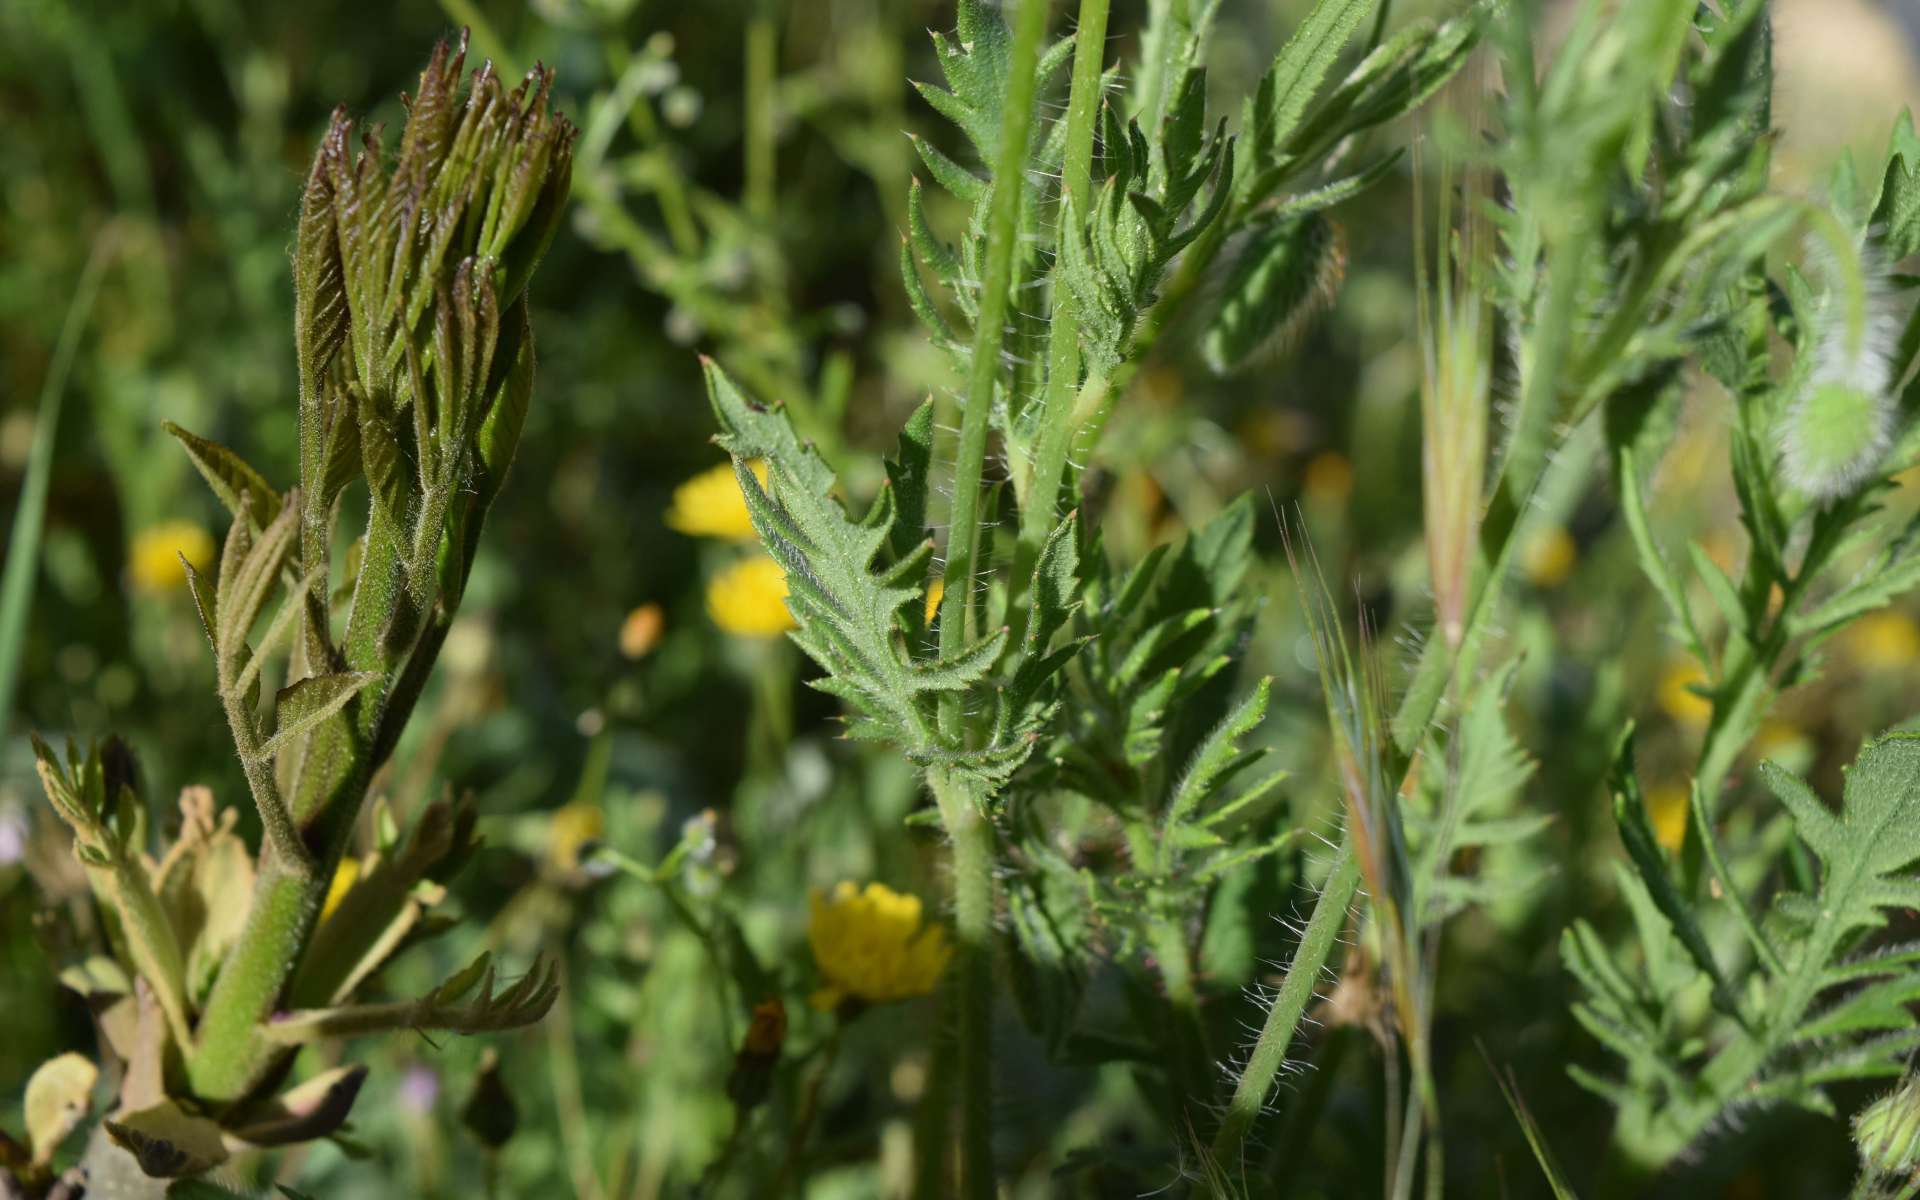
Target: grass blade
23,544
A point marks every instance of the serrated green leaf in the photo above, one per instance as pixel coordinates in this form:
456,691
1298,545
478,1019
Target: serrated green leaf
1896,213
848,602
1287,89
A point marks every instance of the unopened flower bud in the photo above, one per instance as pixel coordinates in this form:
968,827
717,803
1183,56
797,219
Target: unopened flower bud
490,1113
753,1067
1887,1132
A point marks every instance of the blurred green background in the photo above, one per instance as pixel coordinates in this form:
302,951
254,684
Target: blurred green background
169,138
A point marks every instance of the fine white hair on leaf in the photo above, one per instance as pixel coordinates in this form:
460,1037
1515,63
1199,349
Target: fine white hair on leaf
1839,424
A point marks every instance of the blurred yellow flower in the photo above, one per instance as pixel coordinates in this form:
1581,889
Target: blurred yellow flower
749,598
1775,737
641,631
1667,804
1677,696
1722,548
1547,558
571,827
935,591
1328,478
871,946
1881,640
344,877
153,561
712,505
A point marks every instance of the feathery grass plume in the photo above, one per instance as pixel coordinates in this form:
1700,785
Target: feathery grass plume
1456,377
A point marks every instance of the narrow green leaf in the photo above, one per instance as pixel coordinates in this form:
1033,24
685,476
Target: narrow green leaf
304,704
231,479
23,539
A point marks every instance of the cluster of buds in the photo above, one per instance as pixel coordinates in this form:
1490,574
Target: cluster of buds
415,358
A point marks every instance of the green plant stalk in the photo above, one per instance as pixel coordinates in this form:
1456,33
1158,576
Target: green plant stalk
762,64
23,543
150,941
1189,1060
771,723
563,1069
1188,1069
275,816
932,1130
670,188
1157,55
1747,669
228,1045
1037,515
964,814
1276,1033
660,878
229,1055
983,374
961,810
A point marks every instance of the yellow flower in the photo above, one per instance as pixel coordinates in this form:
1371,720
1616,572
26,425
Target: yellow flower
571,827
1677,696
1774,738
153,562
749,598
1882,640
871,946
640,632
1668,805
1328,477
935,591
712,505
344,877
1548,556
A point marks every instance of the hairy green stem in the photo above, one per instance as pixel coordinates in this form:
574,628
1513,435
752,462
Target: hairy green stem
983,375
275,817
1037,514
962,810
229,1055
228,1049
1276,1034
932,1130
